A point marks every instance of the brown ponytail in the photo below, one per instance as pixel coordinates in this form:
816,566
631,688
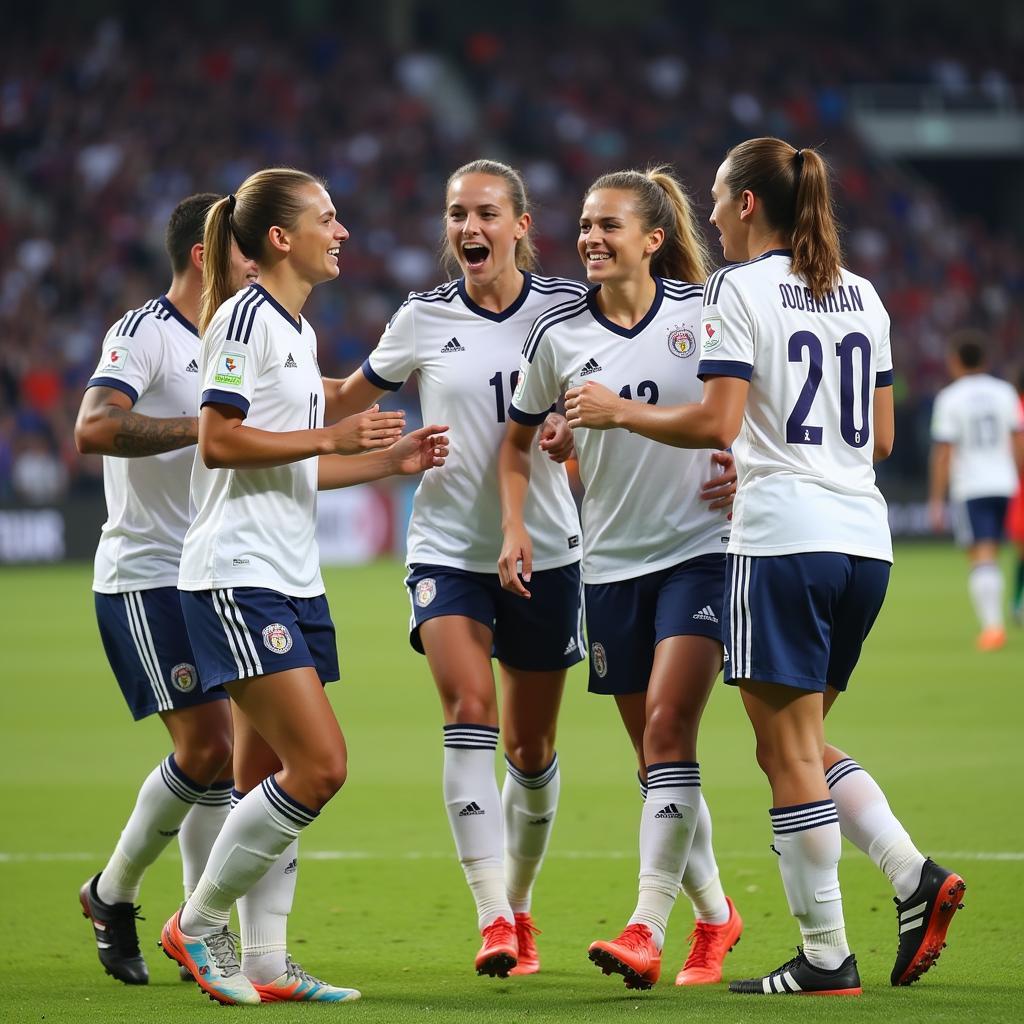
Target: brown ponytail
661,202
266,199
794,190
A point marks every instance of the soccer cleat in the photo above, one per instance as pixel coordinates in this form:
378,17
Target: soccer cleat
117,942
212,960
992,639
528,958
500,951
633,955
708,945
798,977
299,986
923,920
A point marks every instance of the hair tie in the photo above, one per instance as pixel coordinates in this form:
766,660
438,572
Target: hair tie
798,156
231,203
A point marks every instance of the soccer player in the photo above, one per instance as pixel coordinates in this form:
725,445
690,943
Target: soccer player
139,412
653,552
1015,528
252,593
797,376
976,438
462,342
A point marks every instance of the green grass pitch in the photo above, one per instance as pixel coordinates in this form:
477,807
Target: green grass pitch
381,902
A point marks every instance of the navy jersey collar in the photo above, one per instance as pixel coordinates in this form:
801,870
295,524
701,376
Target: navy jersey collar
490,314
297,324
626,332
176,313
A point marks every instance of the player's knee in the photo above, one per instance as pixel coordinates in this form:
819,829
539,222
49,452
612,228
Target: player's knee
326,777
204,757
472,709
531,753
671,733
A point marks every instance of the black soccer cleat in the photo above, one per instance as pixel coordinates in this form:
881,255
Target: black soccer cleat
117,942
800,978
923,919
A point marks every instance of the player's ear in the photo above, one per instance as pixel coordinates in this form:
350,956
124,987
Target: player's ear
655,240
748,203
195,256
523,225
279,239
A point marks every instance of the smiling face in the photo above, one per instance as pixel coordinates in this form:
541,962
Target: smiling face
613,244
314,243
730,217
482,228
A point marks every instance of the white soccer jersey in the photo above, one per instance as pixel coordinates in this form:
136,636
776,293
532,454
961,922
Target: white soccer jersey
256,527
150,355
642,509
804,452
978,415
466,358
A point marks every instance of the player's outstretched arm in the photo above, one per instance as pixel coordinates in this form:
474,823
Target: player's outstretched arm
713,422
418,451
346,396
107,425
516,558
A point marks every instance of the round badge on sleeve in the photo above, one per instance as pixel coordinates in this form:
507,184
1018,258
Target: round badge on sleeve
277,639
183,677
426,591
599,659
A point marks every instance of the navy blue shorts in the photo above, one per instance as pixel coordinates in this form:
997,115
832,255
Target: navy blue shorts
980,519
627,619
243,632
800,620
147,645
542,634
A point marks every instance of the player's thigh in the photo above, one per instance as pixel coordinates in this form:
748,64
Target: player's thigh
458,651
632,709
254,758
202,736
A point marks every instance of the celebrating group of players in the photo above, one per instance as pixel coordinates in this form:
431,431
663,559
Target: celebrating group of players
208,582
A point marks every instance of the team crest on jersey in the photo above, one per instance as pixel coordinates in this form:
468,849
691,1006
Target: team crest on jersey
230,370
600,659
682,342
183,677
116,359
426,591
712,333
277,639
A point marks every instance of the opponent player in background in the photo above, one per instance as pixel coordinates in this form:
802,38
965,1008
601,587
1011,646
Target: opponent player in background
977,447
252,593
653,551
462,342
797,370
1015,527
139,412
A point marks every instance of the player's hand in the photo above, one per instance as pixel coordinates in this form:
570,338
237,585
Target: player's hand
366,431
720,490
556,438
419,451
591,405
937,515
515,560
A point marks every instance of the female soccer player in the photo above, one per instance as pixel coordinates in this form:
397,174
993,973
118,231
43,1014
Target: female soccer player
797,370
462,341
253,597
653,561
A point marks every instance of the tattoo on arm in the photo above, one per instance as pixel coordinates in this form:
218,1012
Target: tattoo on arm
139,435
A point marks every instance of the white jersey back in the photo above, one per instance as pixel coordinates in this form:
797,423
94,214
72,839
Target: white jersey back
256,527
465,359
642,509
150,355
805,452
977,415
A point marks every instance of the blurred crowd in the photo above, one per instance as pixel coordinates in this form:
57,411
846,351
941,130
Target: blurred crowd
101,134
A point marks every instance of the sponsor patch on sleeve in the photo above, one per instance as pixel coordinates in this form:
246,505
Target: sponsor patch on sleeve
711,334
116,360
230,369
520,386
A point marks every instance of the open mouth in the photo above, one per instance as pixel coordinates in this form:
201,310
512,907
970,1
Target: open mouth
598,257
336,253
475,254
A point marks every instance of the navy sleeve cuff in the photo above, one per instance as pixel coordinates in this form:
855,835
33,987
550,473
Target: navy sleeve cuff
117,385
215,397
724,368
528,419
883,379
377,380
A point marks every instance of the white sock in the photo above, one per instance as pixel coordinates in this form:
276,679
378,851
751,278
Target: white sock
529,801
701,883
263,919
808,842
667,825
164,799
985,584
867,821
474,813
257,831
200,828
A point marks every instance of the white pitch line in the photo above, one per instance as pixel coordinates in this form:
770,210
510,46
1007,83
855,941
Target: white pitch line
945,855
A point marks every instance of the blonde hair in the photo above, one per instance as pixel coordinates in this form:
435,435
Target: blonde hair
526,252
662,202
267,198
794,189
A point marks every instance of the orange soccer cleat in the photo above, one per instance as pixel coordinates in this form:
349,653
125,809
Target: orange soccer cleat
633,955
500,951
529,959
708,945
992,639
